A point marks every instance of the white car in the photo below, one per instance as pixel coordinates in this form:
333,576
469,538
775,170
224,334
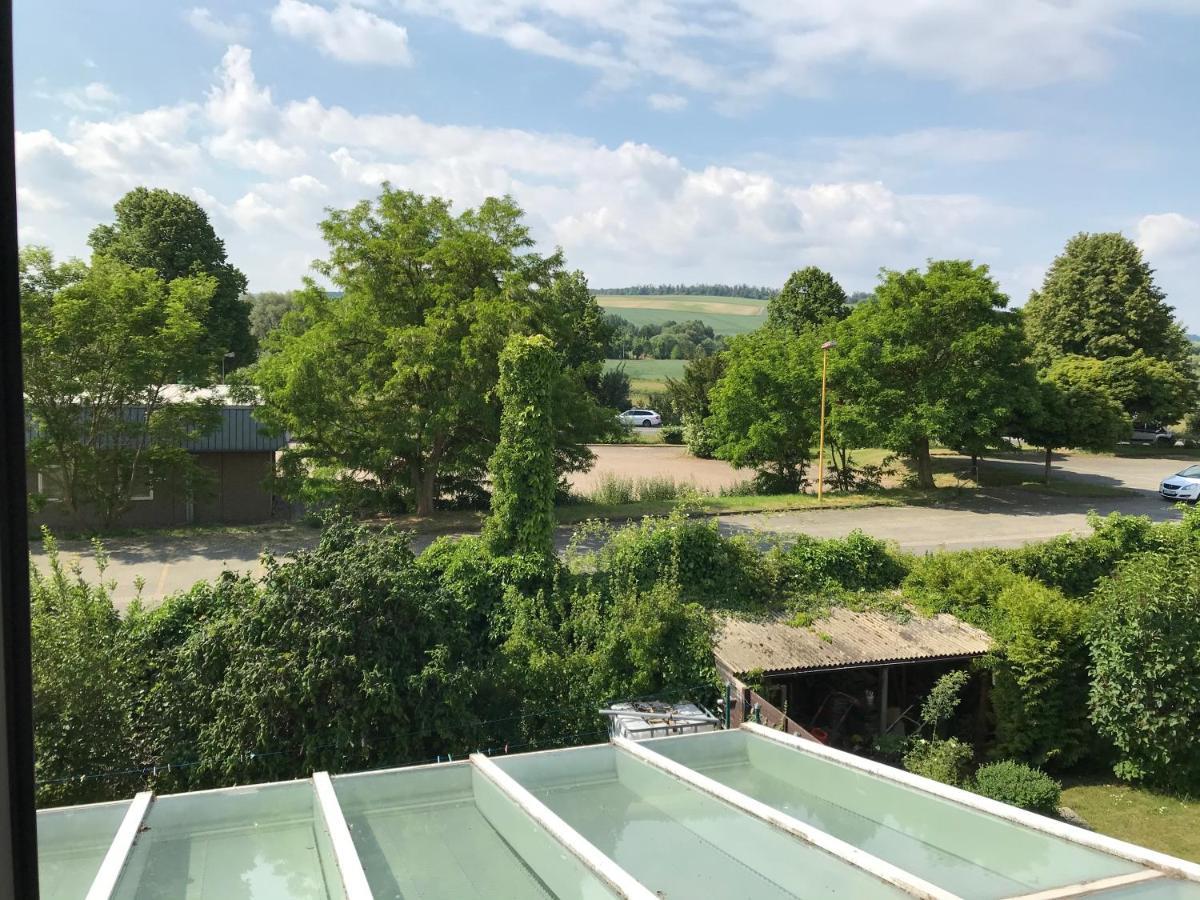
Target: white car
1183,485
647,418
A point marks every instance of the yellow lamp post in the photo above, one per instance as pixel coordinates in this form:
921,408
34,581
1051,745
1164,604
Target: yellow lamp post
825,348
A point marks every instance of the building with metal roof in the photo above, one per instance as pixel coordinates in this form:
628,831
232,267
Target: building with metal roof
747,813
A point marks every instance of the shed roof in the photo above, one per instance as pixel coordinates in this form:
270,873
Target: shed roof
844,638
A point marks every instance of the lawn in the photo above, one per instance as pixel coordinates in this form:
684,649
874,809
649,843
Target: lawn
1157,821
649,376
726,315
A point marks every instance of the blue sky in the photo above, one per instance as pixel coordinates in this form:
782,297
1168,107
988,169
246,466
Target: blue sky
654,140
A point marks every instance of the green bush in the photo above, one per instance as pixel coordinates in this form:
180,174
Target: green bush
1018,785
947,761
1040,676
1145,646
698,436
966,583
856,562
1074,565
672,434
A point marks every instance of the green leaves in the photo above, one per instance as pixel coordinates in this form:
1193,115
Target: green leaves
810,298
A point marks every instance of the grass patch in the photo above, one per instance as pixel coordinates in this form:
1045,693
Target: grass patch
1158,821
726,315
709,505
648,376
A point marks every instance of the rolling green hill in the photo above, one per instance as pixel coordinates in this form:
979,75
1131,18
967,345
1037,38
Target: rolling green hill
726,315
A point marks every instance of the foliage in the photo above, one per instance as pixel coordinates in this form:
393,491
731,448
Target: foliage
947,761
1099,299
692,339
699,436
267,309
856,562
171,234
1018,785
765,406
672,434
410,405
612,389
1074,407
933,357
810,298
523,479
102,346
1040,680
1075,564
690,395
82,682
943,698
966,584
1150,389
1145,645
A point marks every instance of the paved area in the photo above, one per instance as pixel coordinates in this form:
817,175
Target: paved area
1001,517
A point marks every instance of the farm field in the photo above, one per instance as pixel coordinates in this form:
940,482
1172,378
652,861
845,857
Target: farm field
648,376
726,315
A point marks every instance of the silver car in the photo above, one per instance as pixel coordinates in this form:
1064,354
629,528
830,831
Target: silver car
647,418
1183,485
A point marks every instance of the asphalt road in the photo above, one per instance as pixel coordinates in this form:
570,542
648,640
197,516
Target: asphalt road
1001,517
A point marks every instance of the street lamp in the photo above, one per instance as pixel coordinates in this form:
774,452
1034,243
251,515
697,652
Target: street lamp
825,348
228,355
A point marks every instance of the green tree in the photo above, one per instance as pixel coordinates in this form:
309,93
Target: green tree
1150,389
522,468
1099,299
690,394
170,233
765,406
810,297
933,357
102,346
1074,408
1145,648
267,309
394,379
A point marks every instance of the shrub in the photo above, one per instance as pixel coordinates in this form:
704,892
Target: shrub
1074,564
966,583
617,489
700,440
947,761
1018,785
856,562
672,434
1040,676
1145,646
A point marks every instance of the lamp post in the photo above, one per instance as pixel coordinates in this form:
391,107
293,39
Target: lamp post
825,348
228,355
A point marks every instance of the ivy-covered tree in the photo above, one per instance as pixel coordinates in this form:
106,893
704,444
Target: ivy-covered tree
1073,408
522,468
103,345
765,406
934,357
171,234
394,378
809,298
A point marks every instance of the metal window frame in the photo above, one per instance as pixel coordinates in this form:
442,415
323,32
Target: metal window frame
18,824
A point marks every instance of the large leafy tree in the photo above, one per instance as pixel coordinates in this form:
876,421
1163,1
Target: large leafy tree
102,346
1074,408
522,468
394,379
765,405
170,233
267,309
933,357
810,297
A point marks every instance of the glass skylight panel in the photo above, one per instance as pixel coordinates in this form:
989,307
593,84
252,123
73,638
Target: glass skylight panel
72,842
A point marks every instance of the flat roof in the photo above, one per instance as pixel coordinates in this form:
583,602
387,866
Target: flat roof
844,638
750,813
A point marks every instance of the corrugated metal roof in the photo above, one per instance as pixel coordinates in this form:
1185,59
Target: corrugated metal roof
238,432
844,638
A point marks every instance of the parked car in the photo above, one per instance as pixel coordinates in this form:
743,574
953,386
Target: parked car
1184,485
647,418
1152,433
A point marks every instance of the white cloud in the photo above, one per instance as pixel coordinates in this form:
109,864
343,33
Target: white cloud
667,102
1168,235
740,51
95,96
267,170
207,24
345,32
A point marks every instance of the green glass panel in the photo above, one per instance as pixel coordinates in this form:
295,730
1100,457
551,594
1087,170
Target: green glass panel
72,843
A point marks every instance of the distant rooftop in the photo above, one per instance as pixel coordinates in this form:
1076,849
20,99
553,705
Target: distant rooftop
842,639
750,813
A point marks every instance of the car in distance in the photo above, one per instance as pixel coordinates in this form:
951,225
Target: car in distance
1151,433
647,418
1183,485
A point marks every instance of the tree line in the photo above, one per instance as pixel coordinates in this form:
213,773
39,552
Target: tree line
691,290
662,340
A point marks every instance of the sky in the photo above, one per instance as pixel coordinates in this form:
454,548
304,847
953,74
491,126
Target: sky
652,140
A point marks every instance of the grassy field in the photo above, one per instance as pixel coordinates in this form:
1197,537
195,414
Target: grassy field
649,376
1162,823
726,315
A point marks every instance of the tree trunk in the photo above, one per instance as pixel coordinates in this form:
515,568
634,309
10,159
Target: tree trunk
426,482
1046,477
924,463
